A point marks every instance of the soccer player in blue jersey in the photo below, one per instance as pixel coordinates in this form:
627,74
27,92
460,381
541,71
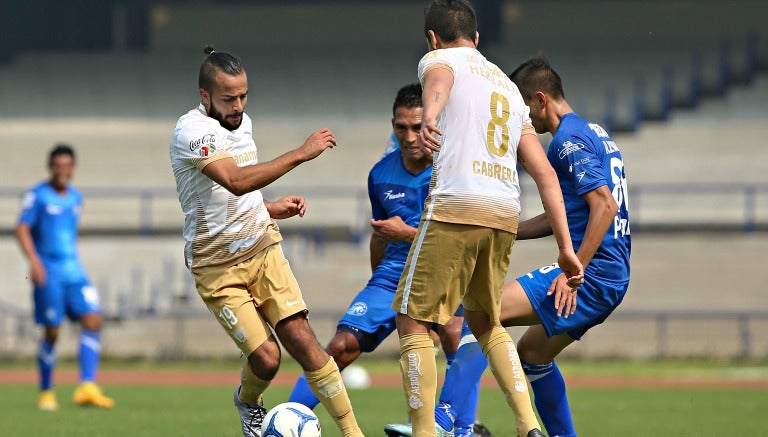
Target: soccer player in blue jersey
47,234
397,187
590,168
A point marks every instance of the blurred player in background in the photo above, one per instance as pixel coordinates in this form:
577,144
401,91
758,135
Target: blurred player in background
47,233
462,247
233,244
397,187
590,168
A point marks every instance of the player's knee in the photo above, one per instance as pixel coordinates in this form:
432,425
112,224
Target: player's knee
337,346
265,360
51,335
91,322
530,353
479,325
343,348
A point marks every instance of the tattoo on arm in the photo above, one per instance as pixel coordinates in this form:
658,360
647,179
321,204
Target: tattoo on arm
437,97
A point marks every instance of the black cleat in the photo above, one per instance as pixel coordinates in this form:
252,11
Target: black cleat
481,431
535,433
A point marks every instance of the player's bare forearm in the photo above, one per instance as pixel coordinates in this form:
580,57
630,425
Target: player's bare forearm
535,162
242,180
27,245
602,210
393,229
377,247
286,207
535,227
436,91
37,273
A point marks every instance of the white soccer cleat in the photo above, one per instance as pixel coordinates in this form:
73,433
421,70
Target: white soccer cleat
251,416
405,430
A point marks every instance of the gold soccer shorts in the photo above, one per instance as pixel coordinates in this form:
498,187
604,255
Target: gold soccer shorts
451,262
251,296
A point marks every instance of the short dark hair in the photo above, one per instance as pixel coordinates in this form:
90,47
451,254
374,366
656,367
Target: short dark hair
451,20
217,61
535,75
58,150
408,96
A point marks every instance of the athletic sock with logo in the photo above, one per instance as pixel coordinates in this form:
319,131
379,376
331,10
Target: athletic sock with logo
46,361
90,354
502,356
550,398
302,393
328,387
419,371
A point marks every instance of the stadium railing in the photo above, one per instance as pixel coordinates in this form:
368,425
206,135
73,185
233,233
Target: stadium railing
185,332
341,212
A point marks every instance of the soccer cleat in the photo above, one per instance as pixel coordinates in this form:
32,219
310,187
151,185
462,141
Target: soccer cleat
89,394
251,416
480,430
405,430
535,433
398,430
463,432
46,401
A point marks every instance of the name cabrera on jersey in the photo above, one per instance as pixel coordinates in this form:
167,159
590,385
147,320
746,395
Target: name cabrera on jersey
586,158
220,229
393,191
475,179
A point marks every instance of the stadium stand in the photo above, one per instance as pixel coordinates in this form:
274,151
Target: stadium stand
682,84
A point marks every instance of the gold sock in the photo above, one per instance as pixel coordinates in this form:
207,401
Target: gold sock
502,356
327,385
251,386
419,371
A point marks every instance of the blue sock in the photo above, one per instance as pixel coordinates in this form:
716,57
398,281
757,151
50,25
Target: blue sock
46,361
461,387
449,360
302,393
550,398
464,389
90,354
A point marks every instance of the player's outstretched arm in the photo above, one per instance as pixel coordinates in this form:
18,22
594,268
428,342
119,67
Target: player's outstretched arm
535,162
242,180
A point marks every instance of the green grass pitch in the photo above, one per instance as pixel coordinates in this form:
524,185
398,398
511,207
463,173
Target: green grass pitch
177,410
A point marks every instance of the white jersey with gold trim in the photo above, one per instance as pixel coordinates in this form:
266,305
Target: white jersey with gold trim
474,180
220,229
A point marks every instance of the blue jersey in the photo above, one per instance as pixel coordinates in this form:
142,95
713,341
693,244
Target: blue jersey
53,220
393,191
586,158
392,145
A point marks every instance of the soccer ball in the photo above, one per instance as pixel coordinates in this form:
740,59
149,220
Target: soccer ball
290,419
356,377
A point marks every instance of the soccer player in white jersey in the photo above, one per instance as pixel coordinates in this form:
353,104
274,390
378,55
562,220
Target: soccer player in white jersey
233,244
475,122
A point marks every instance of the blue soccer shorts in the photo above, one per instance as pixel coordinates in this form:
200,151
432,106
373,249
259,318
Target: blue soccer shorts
59,297
596,301
370,317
